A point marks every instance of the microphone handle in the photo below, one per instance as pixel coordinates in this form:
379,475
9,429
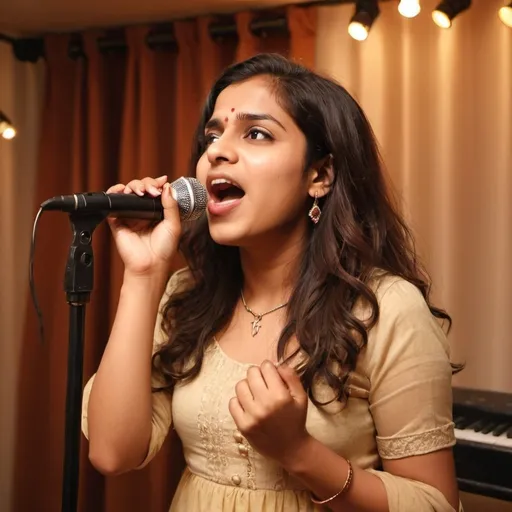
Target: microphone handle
144,207
190,195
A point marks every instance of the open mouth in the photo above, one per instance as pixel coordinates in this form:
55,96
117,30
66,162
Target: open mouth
222,190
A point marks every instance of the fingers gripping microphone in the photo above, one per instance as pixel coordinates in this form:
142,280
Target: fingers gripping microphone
188,192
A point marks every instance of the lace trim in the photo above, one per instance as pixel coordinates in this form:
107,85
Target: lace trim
416,444
210,429
251,475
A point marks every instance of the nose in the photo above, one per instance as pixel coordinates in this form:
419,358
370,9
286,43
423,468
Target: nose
222,151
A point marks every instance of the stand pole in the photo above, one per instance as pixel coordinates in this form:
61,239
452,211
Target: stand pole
73,412
78,284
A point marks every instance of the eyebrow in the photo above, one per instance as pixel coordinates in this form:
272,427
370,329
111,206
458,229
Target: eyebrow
216,123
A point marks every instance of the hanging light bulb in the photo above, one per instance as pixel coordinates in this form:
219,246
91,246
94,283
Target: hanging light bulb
409,8
505,14
7,130
362,21
447,10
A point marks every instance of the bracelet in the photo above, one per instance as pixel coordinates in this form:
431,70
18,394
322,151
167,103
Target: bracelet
345,487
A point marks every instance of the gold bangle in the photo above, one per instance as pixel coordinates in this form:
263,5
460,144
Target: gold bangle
345,487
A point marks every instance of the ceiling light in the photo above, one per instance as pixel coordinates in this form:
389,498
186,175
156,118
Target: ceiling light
409,8
360,24
505,14
7,130
447,10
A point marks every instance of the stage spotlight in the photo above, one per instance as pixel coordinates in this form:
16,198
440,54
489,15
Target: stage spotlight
505,14
7,130
360,24
447,10
409,8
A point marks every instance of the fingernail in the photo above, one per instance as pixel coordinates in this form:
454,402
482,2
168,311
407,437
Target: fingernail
171,191
154,190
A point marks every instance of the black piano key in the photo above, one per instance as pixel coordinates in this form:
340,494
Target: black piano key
490,425
462,423
509,433
458,421
502,427
477,425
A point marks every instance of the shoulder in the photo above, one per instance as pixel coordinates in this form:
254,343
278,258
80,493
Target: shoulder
392,289
406,327
397,299
179,281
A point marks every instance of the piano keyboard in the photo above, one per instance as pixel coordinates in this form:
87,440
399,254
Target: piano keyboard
483,453
490,435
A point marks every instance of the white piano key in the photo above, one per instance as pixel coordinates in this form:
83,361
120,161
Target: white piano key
478,437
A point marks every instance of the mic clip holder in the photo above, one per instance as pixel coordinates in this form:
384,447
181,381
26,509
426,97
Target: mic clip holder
79,275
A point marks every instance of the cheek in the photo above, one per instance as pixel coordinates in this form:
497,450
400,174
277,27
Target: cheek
202,169
280,196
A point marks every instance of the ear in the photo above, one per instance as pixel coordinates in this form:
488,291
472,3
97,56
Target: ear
321,177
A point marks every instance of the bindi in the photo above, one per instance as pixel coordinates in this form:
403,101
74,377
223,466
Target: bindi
226,119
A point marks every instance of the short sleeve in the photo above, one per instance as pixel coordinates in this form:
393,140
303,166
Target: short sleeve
161,419
410,375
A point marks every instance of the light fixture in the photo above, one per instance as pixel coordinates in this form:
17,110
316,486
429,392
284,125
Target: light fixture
7,130
409,8
447,10
505,14
360,24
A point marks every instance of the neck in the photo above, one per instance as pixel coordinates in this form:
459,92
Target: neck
270,271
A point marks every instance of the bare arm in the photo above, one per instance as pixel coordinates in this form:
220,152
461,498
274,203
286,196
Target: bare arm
120,407
324,472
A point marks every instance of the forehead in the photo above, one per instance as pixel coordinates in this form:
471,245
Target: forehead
254,95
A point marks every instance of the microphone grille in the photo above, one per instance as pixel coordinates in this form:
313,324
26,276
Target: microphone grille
191,197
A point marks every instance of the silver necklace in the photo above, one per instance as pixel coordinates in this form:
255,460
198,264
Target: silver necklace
257,317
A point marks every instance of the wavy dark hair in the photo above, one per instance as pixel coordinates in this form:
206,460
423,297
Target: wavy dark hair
360,231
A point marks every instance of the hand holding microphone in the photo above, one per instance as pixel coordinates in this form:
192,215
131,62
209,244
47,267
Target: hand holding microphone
143,246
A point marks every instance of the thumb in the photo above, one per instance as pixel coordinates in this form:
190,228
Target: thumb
171,210
292,381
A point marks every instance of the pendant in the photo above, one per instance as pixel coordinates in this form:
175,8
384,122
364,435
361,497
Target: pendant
256,325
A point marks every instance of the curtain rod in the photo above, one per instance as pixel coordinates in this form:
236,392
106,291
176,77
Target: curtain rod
159,39
30,49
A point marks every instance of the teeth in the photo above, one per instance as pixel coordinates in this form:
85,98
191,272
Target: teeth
220,181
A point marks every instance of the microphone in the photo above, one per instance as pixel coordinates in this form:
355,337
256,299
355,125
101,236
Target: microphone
190,195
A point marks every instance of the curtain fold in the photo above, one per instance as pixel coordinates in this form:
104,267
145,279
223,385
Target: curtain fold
112,118
21,98
302,22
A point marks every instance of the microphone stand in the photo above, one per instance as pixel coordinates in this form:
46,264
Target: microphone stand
78,284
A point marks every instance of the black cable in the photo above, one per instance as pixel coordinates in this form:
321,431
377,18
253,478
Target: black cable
31,277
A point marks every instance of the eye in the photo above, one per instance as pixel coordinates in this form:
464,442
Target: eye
257,134
210,138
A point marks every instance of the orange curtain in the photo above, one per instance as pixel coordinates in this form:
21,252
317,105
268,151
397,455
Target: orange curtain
111,118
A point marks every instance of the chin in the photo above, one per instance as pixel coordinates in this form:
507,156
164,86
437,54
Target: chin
226,234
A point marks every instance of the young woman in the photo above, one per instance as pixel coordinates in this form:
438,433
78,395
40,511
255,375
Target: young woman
298,356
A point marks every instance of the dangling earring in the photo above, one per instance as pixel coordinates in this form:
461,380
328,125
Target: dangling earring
315,212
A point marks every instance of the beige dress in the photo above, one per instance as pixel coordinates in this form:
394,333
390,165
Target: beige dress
400,405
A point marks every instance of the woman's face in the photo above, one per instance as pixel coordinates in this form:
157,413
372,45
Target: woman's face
253,167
